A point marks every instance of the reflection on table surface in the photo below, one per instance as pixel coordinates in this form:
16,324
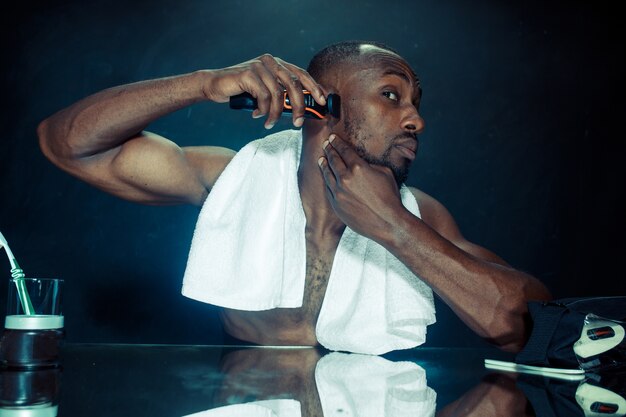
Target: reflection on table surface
214,381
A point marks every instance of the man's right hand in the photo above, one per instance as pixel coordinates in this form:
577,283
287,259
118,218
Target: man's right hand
266,78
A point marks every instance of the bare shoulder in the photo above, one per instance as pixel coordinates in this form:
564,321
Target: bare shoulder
437,216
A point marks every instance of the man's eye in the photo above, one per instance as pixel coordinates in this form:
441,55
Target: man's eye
391,95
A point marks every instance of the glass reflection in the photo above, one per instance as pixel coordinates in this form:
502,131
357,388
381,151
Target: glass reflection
303,382
307,382
32,393
199,381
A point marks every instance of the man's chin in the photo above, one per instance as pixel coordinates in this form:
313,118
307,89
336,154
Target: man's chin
400,173
400,177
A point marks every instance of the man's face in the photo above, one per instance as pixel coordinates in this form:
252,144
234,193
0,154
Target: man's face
380,98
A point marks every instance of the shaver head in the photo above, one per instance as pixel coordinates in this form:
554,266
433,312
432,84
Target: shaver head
333,102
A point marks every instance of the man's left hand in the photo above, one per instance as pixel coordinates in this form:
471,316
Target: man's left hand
364,196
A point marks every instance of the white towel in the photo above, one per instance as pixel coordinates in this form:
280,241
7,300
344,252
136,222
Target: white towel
249,253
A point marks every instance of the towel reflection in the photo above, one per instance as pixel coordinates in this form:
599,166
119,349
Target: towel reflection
305,382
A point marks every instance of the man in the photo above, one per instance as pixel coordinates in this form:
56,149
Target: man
349,174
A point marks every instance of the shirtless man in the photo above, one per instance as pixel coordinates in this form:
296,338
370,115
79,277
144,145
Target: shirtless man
349,173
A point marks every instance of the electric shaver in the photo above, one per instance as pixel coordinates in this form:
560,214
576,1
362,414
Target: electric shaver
312,110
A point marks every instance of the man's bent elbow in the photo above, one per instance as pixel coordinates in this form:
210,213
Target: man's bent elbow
45,142
43,138
56,150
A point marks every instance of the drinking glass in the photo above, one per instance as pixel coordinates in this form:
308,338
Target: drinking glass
33,327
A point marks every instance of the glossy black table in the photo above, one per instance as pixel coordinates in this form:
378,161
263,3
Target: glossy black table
207,381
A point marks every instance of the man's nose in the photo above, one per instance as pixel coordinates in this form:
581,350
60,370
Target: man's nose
412,121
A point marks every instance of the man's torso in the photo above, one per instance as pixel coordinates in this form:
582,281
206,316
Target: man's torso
289,326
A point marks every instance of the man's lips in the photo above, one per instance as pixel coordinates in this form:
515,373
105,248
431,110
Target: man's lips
407,147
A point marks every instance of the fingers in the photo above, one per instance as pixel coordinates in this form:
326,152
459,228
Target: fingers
271,100
267,78
329,177
261,92
294,88
307,82
340,154
333,158
277,77
338,161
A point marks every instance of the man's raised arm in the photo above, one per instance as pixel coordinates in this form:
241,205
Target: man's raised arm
101,139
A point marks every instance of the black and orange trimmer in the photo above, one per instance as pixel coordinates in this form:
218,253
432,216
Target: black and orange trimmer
312,110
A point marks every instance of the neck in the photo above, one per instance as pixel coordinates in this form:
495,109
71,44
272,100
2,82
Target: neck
320,216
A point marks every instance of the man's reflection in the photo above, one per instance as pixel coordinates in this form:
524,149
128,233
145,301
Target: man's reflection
268,382
497,395
307,382
271,381
256,374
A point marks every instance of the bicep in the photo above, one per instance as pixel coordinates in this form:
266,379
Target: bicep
435,215
150,169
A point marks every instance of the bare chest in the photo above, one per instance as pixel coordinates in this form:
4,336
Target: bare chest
318,267
289,325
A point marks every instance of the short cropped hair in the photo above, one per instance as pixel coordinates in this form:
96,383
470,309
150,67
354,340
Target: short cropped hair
337,53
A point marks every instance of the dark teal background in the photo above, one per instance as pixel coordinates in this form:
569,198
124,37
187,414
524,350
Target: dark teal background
524,108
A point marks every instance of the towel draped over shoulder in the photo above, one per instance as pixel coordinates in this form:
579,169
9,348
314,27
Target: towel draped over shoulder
248,252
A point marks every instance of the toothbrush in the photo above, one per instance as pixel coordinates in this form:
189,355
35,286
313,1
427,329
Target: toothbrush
18,276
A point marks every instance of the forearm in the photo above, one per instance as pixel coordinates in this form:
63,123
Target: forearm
490,298
108,118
